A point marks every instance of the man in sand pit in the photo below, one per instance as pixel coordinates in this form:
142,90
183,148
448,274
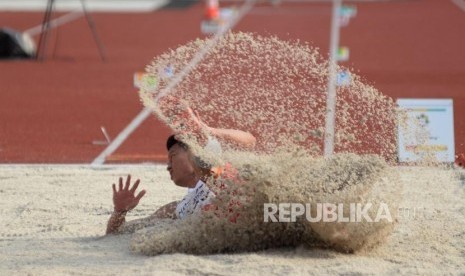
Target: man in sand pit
186,170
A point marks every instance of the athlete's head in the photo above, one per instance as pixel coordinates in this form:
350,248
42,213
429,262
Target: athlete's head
184,168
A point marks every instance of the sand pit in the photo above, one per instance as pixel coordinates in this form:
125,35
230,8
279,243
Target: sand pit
53,219
237,222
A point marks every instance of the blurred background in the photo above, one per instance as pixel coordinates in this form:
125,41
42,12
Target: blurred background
65,107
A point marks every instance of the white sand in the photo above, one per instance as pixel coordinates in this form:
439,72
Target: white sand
53,219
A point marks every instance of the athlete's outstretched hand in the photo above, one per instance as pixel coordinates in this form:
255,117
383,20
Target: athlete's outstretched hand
181,117
124,198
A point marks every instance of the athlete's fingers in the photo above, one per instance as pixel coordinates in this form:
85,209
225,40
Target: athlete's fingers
196,113
202,123
134,187
196,117
120,183
114,188
128,182
140,195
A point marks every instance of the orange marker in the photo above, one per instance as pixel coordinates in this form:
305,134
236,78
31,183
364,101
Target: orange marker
212,10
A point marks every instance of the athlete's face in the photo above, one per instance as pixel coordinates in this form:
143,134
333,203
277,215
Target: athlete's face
180,167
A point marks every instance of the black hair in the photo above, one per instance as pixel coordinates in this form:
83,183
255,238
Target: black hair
171,141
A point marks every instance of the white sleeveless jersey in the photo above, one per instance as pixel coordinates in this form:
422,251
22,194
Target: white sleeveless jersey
194,200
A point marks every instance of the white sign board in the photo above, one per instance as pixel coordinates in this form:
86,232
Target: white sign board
426,129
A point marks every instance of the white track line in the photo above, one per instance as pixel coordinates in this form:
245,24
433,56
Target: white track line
246,7
122,136
460,4
56,22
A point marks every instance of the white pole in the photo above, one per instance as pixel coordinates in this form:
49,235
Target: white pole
331,98
144,114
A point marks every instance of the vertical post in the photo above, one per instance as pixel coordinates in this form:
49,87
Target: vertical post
93,29
331,97
42,47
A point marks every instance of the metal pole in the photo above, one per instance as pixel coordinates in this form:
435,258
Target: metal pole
91,23
144,114
42,47
331,98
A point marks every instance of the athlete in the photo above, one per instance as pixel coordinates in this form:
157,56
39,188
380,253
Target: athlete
185,170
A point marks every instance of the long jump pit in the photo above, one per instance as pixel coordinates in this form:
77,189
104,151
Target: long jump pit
54,217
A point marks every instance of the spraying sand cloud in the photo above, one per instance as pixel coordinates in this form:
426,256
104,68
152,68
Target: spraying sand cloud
343,178
276,90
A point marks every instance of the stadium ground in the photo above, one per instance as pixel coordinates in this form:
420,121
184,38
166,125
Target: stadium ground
53,111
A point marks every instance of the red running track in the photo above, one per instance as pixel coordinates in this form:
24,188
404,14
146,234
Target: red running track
51,112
